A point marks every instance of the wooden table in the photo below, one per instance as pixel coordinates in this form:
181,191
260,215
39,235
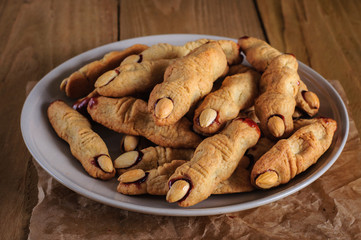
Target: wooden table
36,36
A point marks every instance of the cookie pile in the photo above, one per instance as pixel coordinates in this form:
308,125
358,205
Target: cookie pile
216,126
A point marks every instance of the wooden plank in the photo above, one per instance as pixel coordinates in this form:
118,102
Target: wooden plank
36,36
230,18
326,35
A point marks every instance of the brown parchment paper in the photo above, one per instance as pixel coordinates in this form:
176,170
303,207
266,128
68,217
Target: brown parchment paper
329,208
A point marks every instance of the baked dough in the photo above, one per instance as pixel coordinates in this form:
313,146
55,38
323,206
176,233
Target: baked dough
258,53
237,92
130,116
168,51
154,181
238,182
81,82
164,51
85,144
186,81
214,160
132,78
150,157
307,101
275,106
289,157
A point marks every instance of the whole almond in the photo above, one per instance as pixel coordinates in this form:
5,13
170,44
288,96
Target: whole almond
312,99
178,190
106,78
267,180
276,126
105,163
126,159
130,143
132,176
163,108
207,117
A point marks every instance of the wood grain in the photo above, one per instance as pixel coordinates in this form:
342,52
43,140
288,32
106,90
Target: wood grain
227,18
326,35
36,36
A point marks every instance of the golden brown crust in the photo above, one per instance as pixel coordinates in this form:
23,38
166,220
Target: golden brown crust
231,50
152,157
258,53
304,103
238,182
168,51
238,68
215,159
130,116
289,157
81,82
237,92
299,123
85,144
254,153
187,80
278,86
165,51
155,182
132,78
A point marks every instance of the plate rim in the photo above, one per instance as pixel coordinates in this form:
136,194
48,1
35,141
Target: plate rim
177,211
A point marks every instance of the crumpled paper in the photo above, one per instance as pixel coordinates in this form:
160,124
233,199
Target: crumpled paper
329,208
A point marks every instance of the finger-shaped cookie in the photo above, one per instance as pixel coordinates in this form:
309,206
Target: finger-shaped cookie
237,92
186,81
289,157
238,182
275,106
238,68
254,153
231,50
85,144
249,113
299,123
132,78
81,82
150,157
130,116
258,53
164,51
306,100
214,160
154,181
168,51
81,104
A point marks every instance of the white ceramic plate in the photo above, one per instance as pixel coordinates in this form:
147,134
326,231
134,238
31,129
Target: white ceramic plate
54,156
